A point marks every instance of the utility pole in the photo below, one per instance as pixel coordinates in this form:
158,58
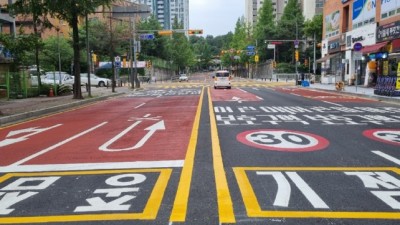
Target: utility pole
296,47
88,55
314,63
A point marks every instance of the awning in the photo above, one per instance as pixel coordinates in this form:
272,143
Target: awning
373,48
326,58
396,45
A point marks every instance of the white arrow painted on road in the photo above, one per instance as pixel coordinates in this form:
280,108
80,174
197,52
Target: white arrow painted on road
236,99
31,131
152,129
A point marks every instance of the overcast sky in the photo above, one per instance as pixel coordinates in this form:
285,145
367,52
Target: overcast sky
215,17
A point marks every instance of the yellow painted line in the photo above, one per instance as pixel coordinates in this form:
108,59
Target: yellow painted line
179,209
254,210
149,213
225,205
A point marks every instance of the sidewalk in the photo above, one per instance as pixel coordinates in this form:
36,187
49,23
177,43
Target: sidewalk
355,90
20,109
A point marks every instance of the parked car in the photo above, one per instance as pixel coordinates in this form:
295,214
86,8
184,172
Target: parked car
183,77
94,80
58,78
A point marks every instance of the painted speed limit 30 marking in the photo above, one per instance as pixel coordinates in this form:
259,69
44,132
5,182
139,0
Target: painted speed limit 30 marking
82,196
389,136
283,140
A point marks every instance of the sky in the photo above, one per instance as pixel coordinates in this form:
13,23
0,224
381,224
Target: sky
215,17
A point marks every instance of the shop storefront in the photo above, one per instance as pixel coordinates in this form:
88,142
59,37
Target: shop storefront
388,60
355,66
332,68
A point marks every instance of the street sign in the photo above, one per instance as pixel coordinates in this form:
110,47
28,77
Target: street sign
251,48
357,56
146,36
357,47
117,59
271,46
250,53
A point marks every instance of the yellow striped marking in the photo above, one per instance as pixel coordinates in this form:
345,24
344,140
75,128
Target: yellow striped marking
254,210
179,209
225,205
149,213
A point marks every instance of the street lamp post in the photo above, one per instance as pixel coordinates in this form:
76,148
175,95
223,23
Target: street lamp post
88,55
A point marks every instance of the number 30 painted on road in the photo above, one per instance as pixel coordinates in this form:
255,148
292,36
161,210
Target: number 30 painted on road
283,140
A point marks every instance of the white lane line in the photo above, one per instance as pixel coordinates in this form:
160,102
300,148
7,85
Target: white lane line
259,98
295,94
332,103
44,151
242,90
93,166
386,156
140,105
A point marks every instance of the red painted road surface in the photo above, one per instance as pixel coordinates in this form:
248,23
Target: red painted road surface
233,94
322,96
118,130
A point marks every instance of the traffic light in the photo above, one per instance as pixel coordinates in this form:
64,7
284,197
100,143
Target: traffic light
148,64
306,62
94,57
195,31
297,55
137,55
164,32
274,64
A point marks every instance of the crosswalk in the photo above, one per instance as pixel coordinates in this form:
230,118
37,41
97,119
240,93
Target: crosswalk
235,84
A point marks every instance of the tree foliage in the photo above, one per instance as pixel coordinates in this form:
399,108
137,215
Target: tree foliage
265,29
70,11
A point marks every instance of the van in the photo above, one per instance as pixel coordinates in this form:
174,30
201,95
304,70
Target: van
222,78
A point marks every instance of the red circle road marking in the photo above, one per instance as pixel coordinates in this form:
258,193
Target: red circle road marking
389,136
283,140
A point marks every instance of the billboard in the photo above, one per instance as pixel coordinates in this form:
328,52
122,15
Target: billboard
364,12
332,22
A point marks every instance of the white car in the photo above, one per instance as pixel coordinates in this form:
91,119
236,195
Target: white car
183,77
94,80
56,77
222,78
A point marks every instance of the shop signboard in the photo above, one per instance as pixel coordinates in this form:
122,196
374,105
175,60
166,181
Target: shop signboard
334,45
388,32
387,6
363,11
332,22
398,77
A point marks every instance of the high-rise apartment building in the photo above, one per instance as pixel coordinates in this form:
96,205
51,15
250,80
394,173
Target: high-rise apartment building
311,8
253,6
167,10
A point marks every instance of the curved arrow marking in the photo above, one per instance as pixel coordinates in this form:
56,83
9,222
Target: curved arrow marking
152,129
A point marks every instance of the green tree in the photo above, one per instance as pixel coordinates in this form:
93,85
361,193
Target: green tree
202,50
290,28
265,29
38,11
180,51
70,11
314,26
21,48
49,55
156,48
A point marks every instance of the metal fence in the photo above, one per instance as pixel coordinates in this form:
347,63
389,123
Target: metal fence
17,85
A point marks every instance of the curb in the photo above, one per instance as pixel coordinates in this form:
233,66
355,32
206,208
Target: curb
43,112
376,97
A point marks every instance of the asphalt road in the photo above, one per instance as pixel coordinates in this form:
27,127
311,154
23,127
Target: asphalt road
195,155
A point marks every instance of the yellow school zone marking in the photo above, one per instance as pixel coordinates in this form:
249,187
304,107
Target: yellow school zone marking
149,213
225,205
254,210
179,209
